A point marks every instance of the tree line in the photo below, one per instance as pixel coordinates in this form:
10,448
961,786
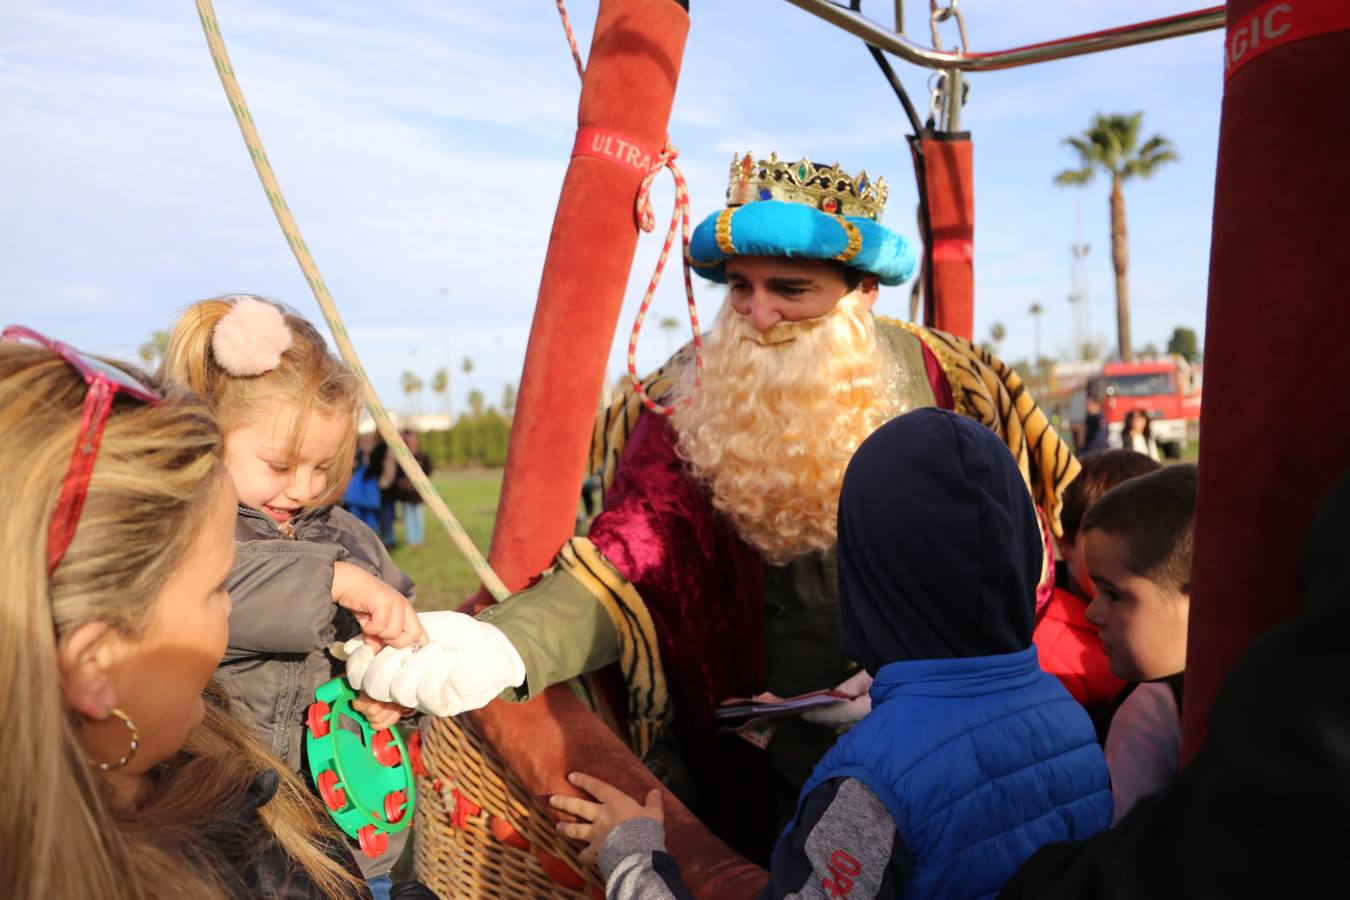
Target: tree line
478,438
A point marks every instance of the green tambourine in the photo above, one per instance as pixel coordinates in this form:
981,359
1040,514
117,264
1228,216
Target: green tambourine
364,776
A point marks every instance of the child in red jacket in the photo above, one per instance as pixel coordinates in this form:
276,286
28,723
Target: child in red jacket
1067,644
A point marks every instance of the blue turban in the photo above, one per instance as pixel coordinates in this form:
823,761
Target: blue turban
780,228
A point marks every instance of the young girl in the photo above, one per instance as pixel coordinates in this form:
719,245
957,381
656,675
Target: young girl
119,780
288,412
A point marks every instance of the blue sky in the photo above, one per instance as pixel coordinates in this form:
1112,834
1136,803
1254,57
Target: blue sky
421,146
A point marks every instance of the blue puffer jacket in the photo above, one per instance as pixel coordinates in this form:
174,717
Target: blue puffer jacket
981,761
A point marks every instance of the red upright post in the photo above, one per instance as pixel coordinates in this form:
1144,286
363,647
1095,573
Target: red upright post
627,95
1274,431
949,257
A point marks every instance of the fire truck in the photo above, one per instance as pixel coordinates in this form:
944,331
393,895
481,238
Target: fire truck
1167,389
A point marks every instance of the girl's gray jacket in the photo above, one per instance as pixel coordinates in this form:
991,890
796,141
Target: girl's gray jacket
284,618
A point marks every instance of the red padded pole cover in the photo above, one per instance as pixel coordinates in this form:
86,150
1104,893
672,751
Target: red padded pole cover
628,90
950,178
1274,430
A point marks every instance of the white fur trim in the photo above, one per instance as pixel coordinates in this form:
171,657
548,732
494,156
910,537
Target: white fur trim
250,339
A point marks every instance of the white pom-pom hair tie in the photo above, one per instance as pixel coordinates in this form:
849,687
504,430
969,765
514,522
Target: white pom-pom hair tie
250,338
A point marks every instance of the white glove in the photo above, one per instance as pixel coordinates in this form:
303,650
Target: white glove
845,715
465,665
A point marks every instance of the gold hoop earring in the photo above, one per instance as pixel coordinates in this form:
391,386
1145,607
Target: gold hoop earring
131,749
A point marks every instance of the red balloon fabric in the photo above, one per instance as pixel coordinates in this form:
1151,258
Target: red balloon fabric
1274,434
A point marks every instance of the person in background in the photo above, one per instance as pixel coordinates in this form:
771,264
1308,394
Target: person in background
1068,644
362,497
968,743
1137,547
1136,434
383,469
1095,434
414,512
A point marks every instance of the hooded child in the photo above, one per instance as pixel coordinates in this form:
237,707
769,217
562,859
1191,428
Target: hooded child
972,757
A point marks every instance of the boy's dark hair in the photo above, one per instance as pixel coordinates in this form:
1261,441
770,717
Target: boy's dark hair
1155,514
1102,470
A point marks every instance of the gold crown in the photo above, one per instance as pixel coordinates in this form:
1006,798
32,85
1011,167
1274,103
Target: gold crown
827,188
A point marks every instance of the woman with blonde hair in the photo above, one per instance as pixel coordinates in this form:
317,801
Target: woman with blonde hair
125,773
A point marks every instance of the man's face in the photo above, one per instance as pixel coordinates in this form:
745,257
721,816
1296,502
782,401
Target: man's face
773,289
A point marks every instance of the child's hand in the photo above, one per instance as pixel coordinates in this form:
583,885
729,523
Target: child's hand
385,615
378,713
599,819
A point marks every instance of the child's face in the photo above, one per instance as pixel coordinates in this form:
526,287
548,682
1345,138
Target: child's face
264,473
1142,625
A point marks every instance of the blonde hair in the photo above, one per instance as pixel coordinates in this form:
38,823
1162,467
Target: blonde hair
309,377
156,467
778,417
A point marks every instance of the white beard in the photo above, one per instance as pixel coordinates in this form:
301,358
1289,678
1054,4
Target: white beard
778,417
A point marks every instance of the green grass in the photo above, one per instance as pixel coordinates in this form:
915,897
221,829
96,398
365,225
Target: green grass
443,577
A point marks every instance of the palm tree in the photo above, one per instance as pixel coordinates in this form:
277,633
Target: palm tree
509,399
412,386
467,368
476,402
440,385
1111,144
153,350
1036,310
996,335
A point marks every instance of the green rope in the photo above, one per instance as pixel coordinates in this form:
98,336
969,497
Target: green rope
330,311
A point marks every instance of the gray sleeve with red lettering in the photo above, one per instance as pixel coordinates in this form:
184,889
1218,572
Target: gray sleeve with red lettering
844,845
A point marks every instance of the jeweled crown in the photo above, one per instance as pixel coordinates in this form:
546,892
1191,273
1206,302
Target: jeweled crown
827,188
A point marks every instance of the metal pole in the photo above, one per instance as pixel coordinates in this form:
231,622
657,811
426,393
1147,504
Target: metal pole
955,90
1077,45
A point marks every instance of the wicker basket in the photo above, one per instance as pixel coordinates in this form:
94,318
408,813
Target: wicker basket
480,834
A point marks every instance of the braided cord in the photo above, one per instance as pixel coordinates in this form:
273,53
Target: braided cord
402,454
646,220
571,39
679,219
